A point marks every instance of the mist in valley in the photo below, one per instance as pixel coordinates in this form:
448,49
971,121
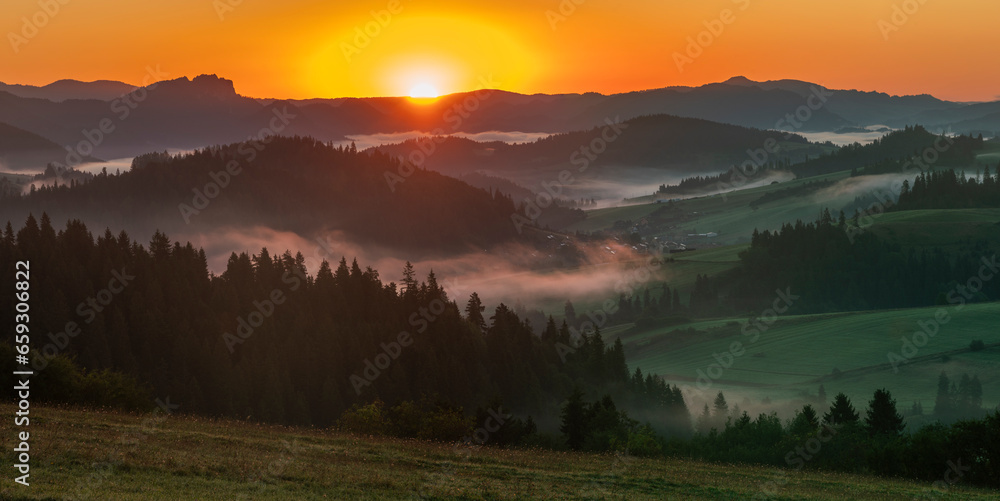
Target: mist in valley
510,273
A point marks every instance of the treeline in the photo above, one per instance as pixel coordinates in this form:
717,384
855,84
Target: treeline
288,184
845,271
845,268
842,439
957,400
897,148
946,189
698,184
268,341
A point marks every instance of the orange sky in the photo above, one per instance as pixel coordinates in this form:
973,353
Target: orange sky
310,48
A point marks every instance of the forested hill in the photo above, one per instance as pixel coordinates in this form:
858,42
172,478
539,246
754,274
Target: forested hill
270,340
288,184
20,149
896,148
657,141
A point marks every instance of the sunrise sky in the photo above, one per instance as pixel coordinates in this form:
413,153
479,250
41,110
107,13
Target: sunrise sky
307,48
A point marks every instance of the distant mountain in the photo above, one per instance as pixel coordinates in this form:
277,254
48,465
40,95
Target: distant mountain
22,150
858,107
191,113
173,114
733,104
506,111
62,90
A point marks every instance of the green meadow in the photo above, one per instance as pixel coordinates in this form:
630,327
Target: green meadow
92,454
845,352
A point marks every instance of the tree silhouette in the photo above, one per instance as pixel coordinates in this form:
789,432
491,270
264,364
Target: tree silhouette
842,412
474,312
574,420
882,418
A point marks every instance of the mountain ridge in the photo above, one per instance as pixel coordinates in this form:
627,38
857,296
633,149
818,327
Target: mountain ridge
187,113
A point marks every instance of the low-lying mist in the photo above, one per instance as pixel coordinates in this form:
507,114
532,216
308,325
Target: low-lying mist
511,273
768,177
843,192
365,141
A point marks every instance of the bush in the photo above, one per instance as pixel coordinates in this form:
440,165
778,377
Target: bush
642,441
405,419
427,419
446,425
367,419
64,382
977,345
114,389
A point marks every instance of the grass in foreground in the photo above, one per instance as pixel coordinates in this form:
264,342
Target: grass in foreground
79,454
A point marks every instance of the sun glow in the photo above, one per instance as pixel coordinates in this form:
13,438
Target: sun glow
420,56
424,90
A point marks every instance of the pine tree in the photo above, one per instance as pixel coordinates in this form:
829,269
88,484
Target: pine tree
943,405
569,312
617,367
550,333
409,281
882,417
704,423
474,312
841,412
720,411
574,420
564,334
806,422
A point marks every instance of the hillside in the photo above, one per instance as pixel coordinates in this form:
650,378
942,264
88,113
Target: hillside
289,184
22,150
131,457
894,152
647,149
799,352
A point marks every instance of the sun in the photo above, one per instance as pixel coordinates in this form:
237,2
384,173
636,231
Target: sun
424,90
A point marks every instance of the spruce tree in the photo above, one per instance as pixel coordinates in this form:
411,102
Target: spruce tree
842,412
882,418
574,420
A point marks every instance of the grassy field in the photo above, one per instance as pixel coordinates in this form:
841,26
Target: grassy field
734,220
944,228
95,455
798,353
730,216
990,155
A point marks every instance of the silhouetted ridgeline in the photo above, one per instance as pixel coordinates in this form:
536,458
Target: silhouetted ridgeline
902,148
289,184
658,141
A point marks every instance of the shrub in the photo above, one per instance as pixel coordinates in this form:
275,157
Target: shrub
114,389
642,441
367,419
445,424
